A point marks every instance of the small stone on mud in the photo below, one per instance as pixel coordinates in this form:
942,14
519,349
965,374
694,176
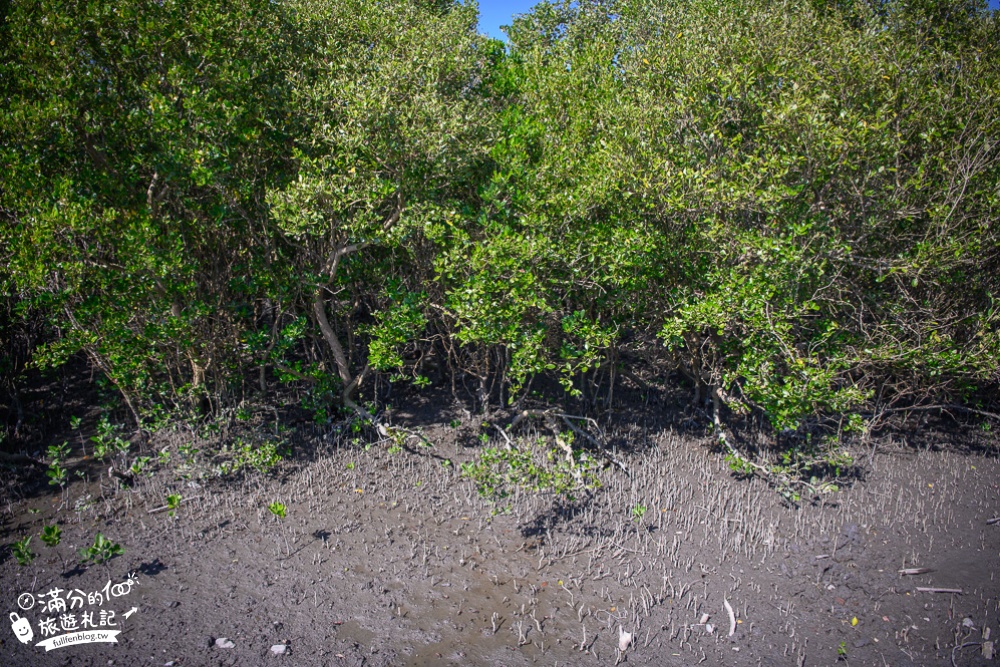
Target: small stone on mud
861,643
279,649
704,619
222,642
967,622
709,629
988,650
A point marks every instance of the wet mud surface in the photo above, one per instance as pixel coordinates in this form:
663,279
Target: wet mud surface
390,558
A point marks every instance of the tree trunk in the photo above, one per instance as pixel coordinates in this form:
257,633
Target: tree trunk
319,309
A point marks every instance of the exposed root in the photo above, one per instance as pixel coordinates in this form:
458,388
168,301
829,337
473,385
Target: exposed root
550,416
777,479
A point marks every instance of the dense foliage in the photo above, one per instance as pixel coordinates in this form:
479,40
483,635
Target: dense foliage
793,205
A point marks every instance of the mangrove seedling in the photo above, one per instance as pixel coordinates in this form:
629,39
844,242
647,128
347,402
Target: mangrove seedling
22,551
173,502
102,550
51,535
56,474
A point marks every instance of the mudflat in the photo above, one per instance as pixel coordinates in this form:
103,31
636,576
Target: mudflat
390,557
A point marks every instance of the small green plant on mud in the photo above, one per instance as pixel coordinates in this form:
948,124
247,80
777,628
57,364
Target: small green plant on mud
57,453
262,457
22,552
102,550
638,512
500,471
278,509
74,423
156,418
56,472
188,451
808,469
139,464
83,503
51,535
107,442
173,502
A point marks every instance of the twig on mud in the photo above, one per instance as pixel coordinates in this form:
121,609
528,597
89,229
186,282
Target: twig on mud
923,589
501,431
990,522
959,648
911,571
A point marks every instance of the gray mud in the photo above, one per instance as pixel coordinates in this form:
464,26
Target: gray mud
392,559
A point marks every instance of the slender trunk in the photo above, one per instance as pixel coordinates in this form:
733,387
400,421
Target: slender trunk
319,309
329,269
98,362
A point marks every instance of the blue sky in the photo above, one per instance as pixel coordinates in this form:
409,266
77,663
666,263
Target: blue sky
494,13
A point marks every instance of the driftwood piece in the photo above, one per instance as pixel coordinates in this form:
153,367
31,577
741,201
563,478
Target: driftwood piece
924,589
